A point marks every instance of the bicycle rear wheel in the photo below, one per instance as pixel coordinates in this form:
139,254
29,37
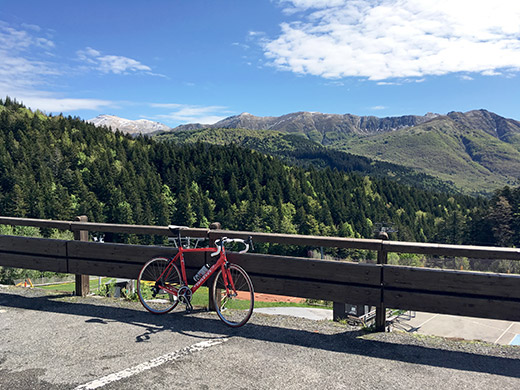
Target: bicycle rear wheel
155,273
234,308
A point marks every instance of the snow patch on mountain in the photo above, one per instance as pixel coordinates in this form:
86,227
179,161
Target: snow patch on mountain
140,126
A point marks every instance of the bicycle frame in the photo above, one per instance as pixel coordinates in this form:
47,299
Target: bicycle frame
220,263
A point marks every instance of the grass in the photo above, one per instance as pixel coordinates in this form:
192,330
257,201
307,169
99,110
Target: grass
200,298
70,287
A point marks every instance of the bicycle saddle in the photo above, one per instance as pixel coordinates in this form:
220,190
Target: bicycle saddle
176,228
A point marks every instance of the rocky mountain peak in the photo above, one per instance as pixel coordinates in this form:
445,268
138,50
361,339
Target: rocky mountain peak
140,126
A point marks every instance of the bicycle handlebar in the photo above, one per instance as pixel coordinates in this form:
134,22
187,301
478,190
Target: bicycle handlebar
223,241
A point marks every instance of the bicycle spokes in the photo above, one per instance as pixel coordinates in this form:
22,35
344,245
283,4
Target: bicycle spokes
157,285
233,295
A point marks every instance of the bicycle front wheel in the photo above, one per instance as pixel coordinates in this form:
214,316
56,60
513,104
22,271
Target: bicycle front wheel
155,274
234,307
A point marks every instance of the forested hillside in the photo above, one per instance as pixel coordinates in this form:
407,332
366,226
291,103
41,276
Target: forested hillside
58,167
296,149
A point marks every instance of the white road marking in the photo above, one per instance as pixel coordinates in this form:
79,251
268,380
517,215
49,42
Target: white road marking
150,364
428,320
504,332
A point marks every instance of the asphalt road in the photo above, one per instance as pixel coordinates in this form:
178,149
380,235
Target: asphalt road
50,341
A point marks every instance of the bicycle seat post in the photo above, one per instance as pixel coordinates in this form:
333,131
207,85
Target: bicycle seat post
179,237
176,231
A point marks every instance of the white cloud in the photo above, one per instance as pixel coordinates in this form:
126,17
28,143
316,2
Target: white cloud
185,113
111,63
252,34
55,104
388,83
397,38
49,101
33,27
25,68
24,62
491,72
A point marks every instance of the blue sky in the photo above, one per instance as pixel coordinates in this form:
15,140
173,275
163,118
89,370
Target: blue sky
181,61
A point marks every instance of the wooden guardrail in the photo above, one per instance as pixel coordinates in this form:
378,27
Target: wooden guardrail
486,295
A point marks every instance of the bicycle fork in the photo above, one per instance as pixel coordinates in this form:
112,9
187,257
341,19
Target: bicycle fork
228,282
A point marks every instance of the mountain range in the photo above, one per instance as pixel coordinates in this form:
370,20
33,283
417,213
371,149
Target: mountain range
315,125
477,151
326,128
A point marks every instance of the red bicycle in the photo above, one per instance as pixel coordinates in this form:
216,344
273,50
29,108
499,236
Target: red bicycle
161,286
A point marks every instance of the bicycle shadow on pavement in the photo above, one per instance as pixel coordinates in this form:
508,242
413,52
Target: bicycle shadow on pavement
301,332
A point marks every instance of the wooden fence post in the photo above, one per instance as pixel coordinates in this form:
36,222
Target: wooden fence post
382,258
82,281
339,311
211,303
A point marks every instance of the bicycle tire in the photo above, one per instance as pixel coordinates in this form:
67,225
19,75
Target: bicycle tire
234,310
158,302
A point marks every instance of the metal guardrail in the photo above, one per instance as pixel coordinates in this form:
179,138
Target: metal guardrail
487,295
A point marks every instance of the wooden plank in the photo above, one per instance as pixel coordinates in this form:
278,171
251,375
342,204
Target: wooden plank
104,268
126,253
37,246
136,229
39,223
457,282
100,227
336,292
116,269
485,252
297,267
108,259
453,304
117,252
297,239
31,261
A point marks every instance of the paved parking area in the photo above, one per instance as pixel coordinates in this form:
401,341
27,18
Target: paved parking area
50,341
457,327
468,328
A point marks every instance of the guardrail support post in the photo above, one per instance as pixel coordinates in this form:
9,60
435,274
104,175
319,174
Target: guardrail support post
382,258
338,311
82,281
